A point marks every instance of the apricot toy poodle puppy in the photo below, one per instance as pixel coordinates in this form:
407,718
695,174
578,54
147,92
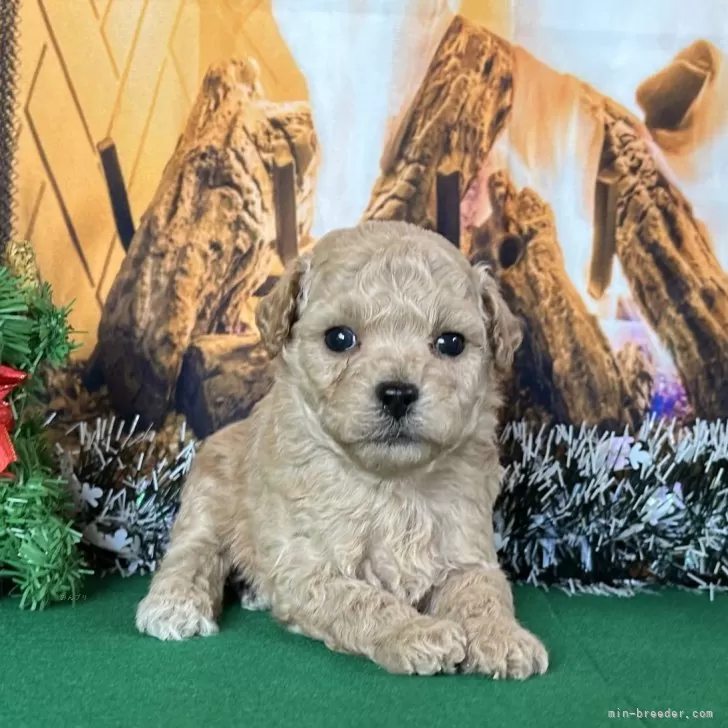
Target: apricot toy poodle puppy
356,501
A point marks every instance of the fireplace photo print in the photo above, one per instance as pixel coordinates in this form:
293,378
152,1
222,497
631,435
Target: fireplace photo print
174,156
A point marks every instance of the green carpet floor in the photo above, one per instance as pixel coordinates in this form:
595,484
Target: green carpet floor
84,665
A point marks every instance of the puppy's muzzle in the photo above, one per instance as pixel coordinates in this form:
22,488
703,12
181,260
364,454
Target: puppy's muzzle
397,397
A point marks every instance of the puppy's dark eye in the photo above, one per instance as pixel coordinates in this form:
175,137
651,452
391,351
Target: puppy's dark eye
340,338
450,344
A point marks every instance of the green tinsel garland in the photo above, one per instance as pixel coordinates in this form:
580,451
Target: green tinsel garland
39,558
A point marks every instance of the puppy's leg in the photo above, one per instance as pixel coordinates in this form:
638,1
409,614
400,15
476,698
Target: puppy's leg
353,616
186,593
481,601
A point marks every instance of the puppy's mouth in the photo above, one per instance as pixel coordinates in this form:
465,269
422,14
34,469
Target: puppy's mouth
396,439
394,448
397,436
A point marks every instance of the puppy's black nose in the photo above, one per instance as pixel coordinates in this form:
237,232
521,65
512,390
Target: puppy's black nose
397,397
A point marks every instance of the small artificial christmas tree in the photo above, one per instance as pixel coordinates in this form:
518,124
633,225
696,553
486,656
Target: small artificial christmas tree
39,557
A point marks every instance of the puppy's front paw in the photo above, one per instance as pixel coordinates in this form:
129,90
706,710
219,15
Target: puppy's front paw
176,614
503,649
424,646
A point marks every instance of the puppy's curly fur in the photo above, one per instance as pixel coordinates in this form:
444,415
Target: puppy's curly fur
368,531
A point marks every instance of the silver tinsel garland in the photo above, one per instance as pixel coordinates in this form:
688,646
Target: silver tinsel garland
613,513
580,510
126,492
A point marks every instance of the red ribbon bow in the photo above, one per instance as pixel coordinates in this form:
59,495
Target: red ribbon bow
10,379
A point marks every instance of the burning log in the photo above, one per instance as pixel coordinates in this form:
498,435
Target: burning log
684,103
464,102
458,112
222,378
207,241
638,371
668,260
565,370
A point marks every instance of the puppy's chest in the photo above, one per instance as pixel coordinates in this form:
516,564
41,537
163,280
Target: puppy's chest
405,555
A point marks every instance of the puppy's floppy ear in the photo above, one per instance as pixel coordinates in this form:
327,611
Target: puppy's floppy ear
277,311
505,333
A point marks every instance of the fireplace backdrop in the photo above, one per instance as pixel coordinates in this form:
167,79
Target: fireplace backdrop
174,154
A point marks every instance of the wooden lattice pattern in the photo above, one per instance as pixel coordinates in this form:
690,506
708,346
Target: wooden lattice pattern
128,70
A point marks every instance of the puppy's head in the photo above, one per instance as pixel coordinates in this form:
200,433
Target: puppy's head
394,341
